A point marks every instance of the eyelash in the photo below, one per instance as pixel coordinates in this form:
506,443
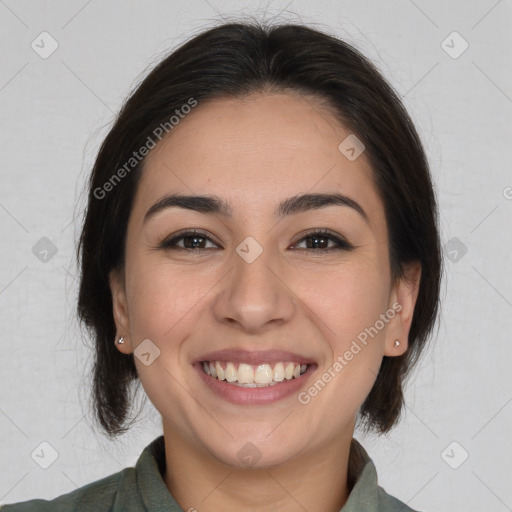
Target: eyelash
342,245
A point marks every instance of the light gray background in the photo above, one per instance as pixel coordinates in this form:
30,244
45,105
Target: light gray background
54,114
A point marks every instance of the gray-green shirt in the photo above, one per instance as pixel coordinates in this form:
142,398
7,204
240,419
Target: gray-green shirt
142,489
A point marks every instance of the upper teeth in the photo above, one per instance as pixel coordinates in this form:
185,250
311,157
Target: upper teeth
262,374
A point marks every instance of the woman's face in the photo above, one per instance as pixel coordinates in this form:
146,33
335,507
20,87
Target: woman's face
257,281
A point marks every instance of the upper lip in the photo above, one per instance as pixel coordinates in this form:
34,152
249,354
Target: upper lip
254,357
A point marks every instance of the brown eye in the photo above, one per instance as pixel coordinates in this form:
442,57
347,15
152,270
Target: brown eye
192,240
318,241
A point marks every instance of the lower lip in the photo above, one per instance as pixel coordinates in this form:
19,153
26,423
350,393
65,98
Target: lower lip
254,396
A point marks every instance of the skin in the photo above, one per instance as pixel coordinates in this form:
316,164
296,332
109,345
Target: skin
254,153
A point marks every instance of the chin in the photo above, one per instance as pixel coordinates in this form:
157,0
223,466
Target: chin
253,454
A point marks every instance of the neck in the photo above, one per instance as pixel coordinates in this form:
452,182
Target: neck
316,480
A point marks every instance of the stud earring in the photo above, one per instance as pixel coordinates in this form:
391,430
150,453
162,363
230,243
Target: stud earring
397,343
120,340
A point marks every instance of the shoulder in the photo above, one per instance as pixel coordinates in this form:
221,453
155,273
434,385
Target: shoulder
366,493
388,503
97,496
132,489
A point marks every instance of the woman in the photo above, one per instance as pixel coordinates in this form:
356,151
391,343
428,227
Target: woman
260,250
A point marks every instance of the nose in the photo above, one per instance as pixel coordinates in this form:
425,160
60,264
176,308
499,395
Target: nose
255,295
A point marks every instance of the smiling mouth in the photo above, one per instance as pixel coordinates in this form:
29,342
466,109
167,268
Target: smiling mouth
254,376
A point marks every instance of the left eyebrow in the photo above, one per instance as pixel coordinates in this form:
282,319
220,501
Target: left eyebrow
214,205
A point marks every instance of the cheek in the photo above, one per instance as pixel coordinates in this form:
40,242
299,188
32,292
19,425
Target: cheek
164,298
164,305
346,305
348,299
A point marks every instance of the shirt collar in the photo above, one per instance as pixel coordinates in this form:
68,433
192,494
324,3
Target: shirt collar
362,480
149,470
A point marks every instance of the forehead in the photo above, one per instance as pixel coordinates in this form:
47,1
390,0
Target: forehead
254,152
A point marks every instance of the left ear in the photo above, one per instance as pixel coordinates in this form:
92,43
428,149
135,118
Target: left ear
402,301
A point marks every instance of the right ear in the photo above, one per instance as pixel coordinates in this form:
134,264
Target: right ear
120,309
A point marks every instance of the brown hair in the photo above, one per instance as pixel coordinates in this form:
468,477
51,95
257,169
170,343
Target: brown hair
235,59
